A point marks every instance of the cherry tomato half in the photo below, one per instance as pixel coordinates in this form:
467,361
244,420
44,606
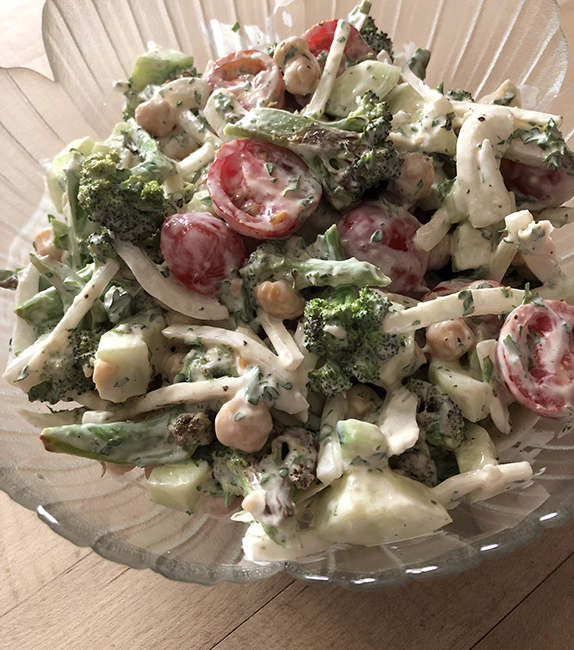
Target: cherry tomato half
320,38
201,250
263,191
546,188
252,76
535,357
372,233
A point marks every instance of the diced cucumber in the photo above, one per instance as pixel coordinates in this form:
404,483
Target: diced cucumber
469,394
376,507
179,486
361,443
129,355
379,77
157,66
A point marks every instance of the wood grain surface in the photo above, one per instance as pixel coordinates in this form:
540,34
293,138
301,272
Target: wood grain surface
55,596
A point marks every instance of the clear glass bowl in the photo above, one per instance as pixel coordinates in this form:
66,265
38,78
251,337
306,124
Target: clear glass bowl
90,45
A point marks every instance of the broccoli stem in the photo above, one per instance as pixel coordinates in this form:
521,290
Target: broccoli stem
333,244
145,442
155,165
335,273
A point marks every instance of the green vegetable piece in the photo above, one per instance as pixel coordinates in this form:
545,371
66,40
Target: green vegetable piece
180,486
144,442
56,177
158,66
375,76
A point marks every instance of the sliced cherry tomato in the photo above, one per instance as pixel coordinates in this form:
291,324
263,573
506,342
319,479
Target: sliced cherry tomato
373,233
544,188
263,191
252,76
201,250
535,357
320,38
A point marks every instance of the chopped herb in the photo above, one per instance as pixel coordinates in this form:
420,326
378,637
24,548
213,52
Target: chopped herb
468,302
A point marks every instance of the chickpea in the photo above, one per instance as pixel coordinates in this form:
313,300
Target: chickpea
172,365
416,178
105,373
279,300
360,401
243,425
301,70
450,339
156,117
44,244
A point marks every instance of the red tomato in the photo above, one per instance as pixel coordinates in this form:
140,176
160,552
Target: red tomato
320,38
252,76
547,188
263,191
201,250
372,234
535,357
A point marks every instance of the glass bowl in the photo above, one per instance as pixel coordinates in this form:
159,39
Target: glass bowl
90,45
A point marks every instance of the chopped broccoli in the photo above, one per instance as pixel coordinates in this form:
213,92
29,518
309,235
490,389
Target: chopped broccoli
460,95
377,39
321,264
232,467
290,463
439,418
203,363
135,442
191,430
346,329
551,141
416,463
130,203
67,375
347,157
419,61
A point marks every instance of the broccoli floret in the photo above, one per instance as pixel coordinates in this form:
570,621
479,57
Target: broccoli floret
347,157
130,203
417,463
231,467
67,375
321,264
203,363
290,463
439,418
551,141
346,329
419,61
377,39
191,430
131,208
460,95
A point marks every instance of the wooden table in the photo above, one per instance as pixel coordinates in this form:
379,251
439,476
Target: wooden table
56,596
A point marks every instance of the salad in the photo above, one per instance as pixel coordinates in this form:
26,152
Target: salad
303,289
